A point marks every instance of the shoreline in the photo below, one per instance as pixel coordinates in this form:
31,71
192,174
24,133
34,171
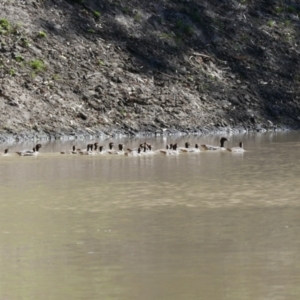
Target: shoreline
118,134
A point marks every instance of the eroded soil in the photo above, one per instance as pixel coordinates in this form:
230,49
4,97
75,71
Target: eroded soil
128,67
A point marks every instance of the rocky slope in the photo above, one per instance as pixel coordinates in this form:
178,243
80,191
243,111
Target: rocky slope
70,68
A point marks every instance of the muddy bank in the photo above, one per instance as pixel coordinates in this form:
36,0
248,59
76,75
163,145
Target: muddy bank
82,68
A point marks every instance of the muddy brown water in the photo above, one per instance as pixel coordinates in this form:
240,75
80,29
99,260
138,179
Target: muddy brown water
194,226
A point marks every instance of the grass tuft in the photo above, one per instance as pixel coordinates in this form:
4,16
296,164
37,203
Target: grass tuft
37,65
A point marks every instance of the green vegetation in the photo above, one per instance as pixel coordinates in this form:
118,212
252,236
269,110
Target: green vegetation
55,77
137,17
37,65
90,30
25,42
4,24
101,62
166,35
184,29
96,13
279,9
19,58
287,23
126,10
42,34
271,23
286,8
12,72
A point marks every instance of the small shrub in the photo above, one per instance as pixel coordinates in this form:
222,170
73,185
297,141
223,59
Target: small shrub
279,9
37,65
55,77
271,23
19,58
125,10
42,34
101,62
291,9
90,30
12,72
96,13
137,17
25,42
4,24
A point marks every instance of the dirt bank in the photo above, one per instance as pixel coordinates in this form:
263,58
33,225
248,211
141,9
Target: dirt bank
78,68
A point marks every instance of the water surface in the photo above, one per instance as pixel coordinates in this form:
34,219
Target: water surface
194,226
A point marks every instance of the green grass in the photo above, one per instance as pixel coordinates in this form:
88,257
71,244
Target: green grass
4,24
42,34
288,8
25,42
96,13
55,77
167,36
37,65
19,58
101,62
279,9
12,72
137,17
90,30
6,27
271,23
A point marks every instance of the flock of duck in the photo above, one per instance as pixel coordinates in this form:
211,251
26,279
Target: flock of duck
142,149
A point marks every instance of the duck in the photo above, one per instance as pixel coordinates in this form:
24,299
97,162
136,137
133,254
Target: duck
185,148
88,150
100,150
120,150
133,152
72,151
239,149
33,152
146,149
5,153
170,150
95,150
215,148
111,149
196,149
188,149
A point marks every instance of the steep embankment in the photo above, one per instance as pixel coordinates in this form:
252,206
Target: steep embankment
120,66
